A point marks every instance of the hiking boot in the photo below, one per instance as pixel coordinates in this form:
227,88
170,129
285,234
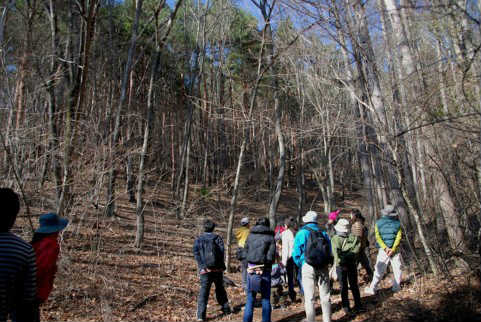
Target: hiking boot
227,310
369,291
200,320
346,310
396,289
293,297
359,309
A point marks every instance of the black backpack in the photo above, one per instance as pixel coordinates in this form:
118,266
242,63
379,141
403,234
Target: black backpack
317,249
212,254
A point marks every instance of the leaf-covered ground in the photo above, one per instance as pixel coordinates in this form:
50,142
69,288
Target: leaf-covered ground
103,278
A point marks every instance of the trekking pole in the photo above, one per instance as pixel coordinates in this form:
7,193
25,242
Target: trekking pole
10,160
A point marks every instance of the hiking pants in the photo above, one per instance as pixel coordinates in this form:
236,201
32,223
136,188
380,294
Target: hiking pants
290,267
348,279
381,264
265,289
206,281
298,272
310,279
244,274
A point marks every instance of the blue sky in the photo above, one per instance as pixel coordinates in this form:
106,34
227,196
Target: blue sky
248,6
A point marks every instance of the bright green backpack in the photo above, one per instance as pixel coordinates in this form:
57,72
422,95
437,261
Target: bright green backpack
349,250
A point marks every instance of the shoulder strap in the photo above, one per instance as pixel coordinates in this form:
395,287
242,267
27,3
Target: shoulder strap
216,240
344,243
309,229
319,232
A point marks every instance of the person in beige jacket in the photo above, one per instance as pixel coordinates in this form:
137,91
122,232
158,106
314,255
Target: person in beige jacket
359,229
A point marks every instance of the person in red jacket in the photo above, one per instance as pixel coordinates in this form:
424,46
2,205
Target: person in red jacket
47,249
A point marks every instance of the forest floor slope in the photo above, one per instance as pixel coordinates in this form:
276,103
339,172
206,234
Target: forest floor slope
103,278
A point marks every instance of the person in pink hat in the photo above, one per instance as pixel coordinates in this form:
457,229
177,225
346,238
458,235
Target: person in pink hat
331,221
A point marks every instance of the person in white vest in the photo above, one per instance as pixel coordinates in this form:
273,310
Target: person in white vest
287,239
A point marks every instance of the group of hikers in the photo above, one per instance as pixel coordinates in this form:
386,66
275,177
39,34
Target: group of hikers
27,270
310,257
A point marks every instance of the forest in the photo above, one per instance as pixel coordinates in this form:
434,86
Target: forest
137,119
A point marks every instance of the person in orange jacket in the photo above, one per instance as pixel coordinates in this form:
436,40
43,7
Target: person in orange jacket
47,250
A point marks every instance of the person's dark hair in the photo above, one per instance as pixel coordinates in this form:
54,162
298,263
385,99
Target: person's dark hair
357,215
291,222
263,222
39,236
10,207
209,226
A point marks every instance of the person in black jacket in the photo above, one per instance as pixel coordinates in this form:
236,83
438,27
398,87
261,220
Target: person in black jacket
210,273
261,252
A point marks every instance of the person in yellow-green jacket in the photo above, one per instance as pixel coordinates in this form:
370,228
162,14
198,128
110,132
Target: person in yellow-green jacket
241,234
388,238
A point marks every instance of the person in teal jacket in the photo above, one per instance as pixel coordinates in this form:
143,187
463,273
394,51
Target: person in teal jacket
388,237
312,276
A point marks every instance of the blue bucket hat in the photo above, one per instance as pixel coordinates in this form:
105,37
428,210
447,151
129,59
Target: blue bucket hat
51,223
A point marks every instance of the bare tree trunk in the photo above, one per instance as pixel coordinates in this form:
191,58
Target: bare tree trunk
186,181
186,139
20,101
109,210
331,188
282,163
300,180
77,97
129,172
400,102
187,126
222,148
235,189
3,19
323,188
266,11
207,144
55,70
478,161
139,236
130,189
379,115
408,75
358,110
172,151
233,203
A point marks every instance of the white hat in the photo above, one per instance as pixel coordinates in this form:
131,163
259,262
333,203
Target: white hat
342,226
389,211
244,221
310,216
